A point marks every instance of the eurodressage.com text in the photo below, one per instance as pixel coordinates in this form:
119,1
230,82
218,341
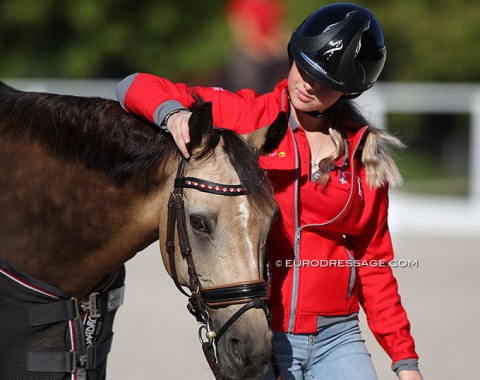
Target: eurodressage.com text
401,263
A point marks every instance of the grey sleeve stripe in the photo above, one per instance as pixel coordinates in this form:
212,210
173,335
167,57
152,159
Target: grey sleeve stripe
164,109
122,88
405,364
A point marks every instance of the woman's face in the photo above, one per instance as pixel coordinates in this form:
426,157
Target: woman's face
307,95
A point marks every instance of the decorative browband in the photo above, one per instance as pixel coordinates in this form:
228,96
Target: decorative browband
209,187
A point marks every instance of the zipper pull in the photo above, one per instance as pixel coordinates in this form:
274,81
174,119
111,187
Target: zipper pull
360,192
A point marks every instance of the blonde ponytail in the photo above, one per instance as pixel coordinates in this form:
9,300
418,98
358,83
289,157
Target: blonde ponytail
376,151
377,159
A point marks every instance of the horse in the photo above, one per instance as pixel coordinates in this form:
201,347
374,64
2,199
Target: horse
84,186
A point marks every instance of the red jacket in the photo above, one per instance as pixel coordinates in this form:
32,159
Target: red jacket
329,246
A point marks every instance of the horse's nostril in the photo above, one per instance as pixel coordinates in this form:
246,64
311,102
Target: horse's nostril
244,356
240,352
234,347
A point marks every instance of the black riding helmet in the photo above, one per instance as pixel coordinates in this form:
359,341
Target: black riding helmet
342,46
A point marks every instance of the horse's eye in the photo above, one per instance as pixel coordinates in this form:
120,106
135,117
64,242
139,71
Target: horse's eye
198,224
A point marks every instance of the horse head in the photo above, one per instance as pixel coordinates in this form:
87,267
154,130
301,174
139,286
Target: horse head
223,264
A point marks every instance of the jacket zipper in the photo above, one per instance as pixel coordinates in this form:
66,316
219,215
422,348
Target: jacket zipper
296,245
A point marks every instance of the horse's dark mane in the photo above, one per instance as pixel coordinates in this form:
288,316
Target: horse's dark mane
94,131
101,135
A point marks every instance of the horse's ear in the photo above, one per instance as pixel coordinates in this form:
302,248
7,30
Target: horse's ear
266,139
200,125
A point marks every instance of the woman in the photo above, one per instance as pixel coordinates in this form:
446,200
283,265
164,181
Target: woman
331,173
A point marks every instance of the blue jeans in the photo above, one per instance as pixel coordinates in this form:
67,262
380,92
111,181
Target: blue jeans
336,352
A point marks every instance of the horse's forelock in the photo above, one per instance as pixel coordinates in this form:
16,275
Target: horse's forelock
243,159
252,177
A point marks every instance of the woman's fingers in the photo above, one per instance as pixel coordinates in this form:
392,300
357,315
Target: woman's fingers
177,125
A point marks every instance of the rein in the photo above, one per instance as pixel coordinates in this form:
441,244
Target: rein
252,294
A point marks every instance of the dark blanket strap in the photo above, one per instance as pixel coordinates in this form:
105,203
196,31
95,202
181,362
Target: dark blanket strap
51,361
67,362
59,311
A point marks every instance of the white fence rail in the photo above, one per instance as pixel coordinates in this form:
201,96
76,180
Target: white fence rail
434,98
431,213
409,213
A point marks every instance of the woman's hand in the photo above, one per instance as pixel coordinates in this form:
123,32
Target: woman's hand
410,375
177,125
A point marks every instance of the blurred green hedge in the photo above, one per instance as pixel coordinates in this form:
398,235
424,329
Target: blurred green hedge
428,40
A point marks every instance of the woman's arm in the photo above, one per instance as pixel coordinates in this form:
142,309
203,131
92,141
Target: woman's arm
165,104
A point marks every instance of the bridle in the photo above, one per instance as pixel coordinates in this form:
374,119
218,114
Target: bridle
252,294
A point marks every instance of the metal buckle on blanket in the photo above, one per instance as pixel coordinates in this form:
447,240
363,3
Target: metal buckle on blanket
77,361
91,304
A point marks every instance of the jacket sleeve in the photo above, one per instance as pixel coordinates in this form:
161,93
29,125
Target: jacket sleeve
378,289
152,98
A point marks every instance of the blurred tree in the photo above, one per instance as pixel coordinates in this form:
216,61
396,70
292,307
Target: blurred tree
428,40
110,38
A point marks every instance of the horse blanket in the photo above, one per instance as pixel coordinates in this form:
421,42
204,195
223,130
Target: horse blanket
45,334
